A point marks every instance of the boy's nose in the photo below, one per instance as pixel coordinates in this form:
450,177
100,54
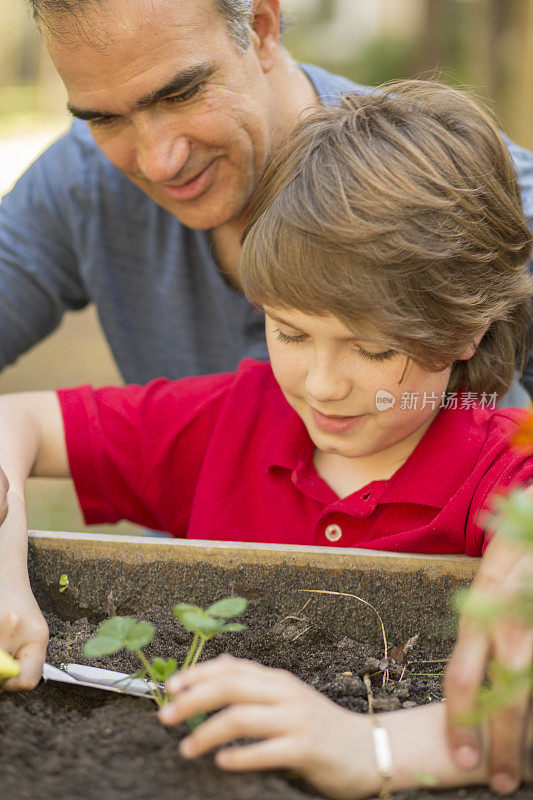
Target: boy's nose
326,385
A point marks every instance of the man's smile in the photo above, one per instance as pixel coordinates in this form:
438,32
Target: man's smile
190,189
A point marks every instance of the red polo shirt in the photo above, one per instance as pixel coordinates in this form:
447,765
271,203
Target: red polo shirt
225,457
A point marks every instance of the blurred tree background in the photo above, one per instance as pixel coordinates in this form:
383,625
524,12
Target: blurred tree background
483,45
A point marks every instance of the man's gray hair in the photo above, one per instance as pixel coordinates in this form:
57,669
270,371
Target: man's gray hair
237,13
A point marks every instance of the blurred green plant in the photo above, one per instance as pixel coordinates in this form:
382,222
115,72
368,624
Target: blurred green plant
513,519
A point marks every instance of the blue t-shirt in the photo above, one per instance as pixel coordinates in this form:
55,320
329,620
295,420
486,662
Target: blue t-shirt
75,230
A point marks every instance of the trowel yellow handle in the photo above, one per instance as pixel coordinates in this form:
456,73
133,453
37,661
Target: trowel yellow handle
9,667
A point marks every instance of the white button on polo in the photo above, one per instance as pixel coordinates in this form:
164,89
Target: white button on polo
333,533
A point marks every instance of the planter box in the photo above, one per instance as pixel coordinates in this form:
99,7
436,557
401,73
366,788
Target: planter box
68,743
410,591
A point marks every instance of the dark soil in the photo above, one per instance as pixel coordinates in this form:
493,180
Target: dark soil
67,743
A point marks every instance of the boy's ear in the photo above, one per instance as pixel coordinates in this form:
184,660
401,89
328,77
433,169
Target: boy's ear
265,32
471,349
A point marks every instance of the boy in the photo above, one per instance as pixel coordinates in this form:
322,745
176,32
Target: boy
387,250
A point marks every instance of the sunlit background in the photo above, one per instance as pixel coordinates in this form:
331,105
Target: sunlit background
484,45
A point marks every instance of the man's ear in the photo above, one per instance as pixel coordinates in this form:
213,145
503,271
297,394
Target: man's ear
265,32
471,349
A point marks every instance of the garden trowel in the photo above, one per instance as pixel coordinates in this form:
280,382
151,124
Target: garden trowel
97,678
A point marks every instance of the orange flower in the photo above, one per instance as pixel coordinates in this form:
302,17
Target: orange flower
524,435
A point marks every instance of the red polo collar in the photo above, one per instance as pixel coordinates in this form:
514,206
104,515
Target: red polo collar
441,462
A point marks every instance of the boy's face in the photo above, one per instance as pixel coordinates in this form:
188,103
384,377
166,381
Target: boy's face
348,390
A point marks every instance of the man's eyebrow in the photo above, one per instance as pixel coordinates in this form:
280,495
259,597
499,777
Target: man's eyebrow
181,81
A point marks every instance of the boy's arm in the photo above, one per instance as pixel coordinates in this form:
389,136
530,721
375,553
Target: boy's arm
31,443
506,568
295,727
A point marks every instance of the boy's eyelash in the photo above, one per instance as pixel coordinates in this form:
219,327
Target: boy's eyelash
284,337
173,99
376,356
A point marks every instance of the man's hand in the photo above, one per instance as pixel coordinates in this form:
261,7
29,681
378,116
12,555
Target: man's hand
505,571
4,488
23,633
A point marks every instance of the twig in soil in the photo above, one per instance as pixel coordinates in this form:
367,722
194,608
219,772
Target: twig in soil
426,674
366,603
301,633
297,616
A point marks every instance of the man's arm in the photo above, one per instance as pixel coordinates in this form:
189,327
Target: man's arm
31,443
505,570
39,243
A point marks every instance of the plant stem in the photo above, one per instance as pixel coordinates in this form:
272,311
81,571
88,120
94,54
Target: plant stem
199,649
192,648
156,693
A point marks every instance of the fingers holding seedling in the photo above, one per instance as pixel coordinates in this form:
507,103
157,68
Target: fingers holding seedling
297,727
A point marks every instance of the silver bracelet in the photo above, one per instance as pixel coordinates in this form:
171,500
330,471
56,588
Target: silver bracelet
383,755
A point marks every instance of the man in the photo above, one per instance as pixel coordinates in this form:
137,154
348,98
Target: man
140,209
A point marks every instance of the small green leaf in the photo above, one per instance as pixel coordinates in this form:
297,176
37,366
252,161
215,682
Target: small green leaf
228,607
183,608
233,627
102,646
162,670
119,632
200,622
63,582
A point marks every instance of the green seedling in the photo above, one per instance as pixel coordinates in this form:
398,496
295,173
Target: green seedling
209,622
9,667
204,624
514,520
126,633
63,582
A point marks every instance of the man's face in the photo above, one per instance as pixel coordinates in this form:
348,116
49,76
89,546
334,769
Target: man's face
171,102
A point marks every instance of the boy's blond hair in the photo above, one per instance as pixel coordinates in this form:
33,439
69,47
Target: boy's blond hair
399,211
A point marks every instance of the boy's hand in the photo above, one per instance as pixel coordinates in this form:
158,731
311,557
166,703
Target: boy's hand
504,572
23,634
299,728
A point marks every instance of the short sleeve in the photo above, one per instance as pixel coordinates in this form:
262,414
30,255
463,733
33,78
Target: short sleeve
136,452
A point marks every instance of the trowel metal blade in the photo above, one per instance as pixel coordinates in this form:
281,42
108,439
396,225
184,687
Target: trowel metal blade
97,678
